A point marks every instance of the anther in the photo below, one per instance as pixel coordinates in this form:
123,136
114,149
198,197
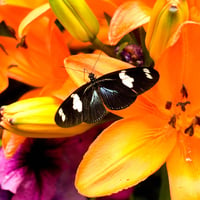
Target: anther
184,92
168,105
22,43
172,121
197,120
190,130
183,105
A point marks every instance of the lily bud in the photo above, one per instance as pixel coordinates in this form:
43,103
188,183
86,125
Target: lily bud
34,117
166,17
77,18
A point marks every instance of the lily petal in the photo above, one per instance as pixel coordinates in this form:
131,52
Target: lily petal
34,117
194,10
3,72
31,17
184,171
10,143
190,61
128,16
118,158
99,64
23,3
182,68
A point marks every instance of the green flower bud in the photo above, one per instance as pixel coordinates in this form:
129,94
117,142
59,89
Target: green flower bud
165,20
77,18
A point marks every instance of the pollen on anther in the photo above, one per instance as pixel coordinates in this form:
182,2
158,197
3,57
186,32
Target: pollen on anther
168,105
184,92
190,130
172,121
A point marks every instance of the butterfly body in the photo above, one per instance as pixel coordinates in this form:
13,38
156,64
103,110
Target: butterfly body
115,91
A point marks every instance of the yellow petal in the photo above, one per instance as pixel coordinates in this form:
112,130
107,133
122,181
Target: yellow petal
34,117
46,130
126,153
23,3
30,103
184,169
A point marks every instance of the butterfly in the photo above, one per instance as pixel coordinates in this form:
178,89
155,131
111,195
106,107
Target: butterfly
115,91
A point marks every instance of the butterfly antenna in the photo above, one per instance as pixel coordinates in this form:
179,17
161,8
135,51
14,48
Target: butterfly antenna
77,70
96,61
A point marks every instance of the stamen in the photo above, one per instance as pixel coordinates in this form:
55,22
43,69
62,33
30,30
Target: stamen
22,43
197,120
183,105
190,130
188,151
185,147
172,121
168,105
184,92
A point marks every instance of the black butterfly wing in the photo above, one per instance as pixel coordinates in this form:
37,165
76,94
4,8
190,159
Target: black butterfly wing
144,78
94,109
119,89
115,96
116,90
83,105
70,112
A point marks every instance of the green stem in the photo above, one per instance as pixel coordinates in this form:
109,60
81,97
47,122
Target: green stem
164,190
109,50
147,59
131,197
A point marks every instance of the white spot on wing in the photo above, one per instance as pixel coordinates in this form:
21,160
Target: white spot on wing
77,103
147,73
126,80
62,114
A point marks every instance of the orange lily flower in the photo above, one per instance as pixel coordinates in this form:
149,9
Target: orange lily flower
39,62
21,3
33,115
164,19
43,47
163,126
98,7
39,57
